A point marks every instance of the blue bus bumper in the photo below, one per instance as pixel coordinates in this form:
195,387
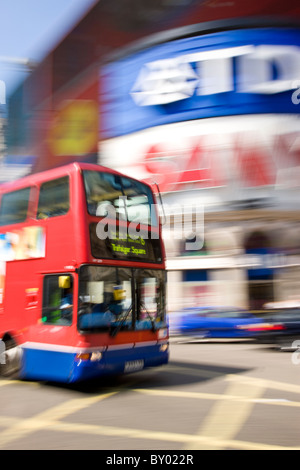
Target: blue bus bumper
67,367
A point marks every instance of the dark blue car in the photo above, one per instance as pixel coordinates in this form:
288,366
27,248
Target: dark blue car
283,329
214,322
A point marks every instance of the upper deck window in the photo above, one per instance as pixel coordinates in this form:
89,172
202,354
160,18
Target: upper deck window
127,199
14,206
54,199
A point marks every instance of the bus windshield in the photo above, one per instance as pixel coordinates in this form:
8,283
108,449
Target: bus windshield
114,299
129,199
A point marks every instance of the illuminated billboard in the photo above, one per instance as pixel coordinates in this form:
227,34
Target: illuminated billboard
227,73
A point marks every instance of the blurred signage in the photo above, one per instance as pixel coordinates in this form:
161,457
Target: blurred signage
15,167
228,73
239,157
21,244
213,72
251,262
24,243
74,131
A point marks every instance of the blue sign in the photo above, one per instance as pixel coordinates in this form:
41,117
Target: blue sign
238,72
13,167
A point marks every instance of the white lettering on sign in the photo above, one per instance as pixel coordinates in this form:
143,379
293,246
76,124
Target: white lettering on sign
265,69
164,81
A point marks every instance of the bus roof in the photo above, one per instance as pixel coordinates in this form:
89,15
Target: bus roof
53,173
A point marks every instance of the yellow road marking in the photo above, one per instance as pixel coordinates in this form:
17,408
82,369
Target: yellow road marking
216,397
26,426
49,420
285,387
111,431
186,370
227,416
7,382
4,382
7,421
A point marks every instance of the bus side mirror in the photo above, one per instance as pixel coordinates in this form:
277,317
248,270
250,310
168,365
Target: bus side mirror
64,282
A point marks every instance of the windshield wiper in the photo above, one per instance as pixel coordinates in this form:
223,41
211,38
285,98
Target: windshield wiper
119,325
149,316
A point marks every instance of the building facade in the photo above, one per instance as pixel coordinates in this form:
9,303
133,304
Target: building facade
201,97
214,119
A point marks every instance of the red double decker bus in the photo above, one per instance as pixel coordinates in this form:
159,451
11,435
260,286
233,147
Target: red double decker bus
82,276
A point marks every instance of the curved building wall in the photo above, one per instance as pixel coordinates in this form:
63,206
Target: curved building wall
214,119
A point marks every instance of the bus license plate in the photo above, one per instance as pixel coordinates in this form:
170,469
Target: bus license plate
133,366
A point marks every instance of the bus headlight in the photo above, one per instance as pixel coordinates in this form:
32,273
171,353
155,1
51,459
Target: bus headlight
85,356
96,356
163,347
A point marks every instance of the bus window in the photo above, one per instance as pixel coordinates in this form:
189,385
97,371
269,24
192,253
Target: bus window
129,199
14,206
105,298
151,298
58,300
54,198
139,202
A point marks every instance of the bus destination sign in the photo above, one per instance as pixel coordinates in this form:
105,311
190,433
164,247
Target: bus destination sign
116,245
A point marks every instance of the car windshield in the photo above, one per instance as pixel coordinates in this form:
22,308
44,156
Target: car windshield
114,299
